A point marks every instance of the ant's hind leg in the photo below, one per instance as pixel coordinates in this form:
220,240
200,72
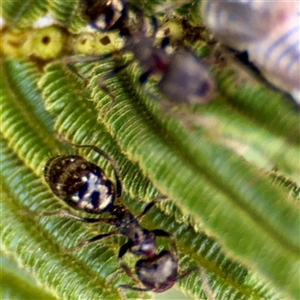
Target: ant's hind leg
65,214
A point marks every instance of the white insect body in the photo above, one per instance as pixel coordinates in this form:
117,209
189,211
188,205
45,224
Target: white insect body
268,31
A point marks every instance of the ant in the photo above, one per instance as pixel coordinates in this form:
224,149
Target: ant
184,78
85,187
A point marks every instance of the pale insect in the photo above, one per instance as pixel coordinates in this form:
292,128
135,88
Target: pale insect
268,31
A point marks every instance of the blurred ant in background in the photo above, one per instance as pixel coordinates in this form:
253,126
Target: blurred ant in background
183,77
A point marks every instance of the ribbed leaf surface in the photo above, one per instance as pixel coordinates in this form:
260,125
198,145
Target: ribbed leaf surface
227,211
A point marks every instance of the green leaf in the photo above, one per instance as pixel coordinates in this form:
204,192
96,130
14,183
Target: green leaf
225,209
13,276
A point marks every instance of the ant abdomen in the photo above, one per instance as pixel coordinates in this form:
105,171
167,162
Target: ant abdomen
81,184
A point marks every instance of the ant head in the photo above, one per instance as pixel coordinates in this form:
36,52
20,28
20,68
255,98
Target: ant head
105,15
81,184
158,273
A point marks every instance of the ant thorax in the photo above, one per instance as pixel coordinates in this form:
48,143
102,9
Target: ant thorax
149,57
79,183
142,241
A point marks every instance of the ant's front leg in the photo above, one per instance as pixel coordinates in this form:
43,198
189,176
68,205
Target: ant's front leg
173,248
128,271
124,266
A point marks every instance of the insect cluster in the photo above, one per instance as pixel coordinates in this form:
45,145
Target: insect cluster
84,186
184,78
268,30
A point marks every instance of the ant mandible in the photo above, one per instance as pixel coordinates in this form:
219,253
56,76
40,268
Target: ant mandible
84,186
184,78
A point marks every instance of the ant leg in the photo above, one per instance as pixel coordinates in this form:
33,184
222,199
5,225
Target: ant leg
143,78
173,248
122,287
124,266
65,214
115,71
149,206
165,42
154,25
70,61
92,240
133,288
128,271
106,156
105,89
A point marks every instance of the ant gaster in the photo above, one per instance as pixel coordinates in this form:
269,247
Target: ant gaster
84,186
184,78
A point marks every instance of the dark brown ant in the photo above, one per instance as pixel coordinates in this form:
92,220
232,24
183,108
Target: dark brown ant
84,186
184,78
